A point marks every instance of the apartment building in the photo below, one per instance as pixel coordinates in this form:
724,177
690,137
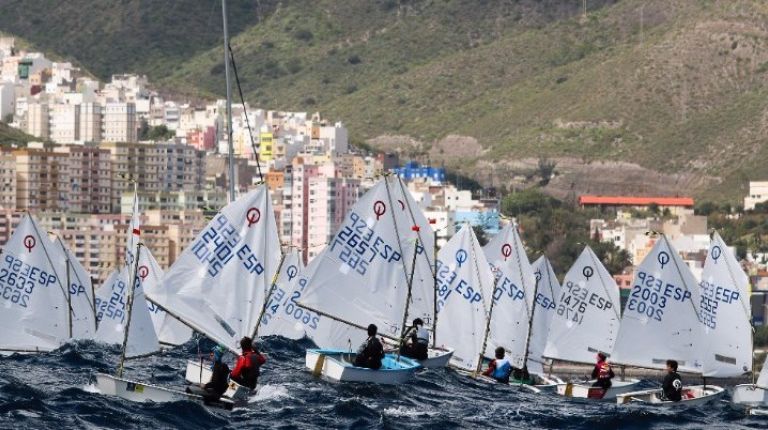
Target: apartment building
42,180
120,122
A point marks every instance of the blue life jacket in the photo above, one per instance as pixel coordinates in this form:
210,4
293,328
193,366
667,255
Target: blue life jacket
503,370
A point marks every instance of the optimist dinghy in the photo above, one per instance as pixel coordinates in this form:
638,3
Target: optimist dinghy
337,365
670,316
693,395
377,270
141,392
585,322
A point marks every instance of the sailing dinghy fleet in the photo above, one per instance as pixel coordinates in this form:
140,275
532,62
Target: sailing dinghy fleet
382,267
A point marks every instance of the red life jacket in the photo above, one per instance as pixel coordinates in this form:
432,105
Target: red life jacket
604,370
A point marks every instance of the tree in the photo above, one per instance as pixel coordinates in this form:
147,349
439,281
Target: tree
160,132
527,201
545,170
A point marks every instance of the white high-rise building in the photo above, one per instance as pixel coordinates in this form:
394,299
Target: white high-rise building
91,122
120,122
65,123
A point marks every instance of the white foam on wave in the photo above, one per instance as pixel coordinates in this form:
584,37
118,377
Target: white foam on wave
402,411
91,388
269,392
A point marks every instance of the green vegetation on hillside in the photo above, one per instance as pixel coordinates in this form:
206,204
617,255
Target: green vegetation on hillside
560,231
676,87
152,37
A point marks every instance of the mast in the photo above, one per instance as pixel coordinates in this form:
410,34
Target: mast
490,309
434,291
408,296
129,305
69,295
530,325
231,157
400,247
487,331
266,298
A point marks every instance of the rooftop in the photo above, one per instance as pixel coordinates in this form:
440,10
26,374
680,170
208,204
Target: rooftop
635,201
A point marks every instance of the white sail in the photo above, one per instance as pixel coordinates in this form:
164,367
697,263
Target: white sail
725,313
586,319
80,289
170,331
34,306
218,284
465,287
660,320
513,297
112,312
284,317
363,276
547,293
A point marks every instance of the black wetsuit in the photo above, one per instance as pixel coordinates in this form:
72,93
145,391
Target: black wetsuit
672,387
213,390
370,354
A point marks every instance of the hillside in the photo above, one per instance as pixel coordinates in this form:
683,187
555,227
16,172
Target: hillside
645,96
137,36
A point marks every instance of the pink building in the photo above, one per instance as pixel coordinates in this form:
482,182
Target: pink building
203,140
315,201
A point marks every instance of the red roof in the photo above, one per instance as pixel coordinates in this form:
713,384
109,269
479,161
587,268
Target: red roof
635,201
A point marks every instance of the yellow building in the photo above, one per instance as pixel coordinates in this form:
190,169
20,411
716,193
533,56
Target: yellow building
265,145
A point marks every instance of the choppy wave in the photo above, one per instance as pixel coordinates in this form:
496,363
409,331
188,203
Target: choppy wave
55,390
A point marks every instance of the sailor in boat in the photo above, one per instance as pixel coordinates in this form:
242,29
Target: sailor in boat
371,352
246,371
672,386
602,372
416,341
219,382
499,368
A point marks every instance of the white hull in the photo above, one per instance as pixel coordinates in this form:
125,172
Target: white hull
750,395
546,383
139,392
337,366
438,357
693,395
587,391
197,374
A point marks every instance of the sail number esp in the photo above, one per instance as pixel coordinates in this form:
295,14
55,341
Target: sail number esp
219,243
650,295
357,245
18,280
576,298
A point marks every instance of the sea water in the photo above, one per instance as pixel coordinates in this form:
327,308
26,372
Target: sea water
55,391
